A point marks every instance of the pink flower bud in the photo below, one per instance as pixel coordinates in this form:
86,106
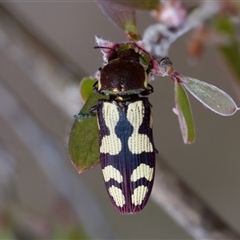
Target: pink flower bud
172,13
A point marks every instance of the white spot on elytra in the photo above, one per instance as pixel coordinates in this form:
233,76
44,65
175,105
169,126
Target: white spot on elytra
117,195
111,172
137,142
110,144
139,194
142,171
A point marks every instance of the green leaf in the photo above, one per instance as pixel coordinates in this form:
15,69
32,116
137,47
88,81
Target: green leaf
210,96
83,143
86,87
143,4
183,110
84,136
231,50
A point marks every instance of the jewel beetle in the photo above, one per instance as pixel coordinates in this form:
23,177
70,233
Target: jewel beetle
126,147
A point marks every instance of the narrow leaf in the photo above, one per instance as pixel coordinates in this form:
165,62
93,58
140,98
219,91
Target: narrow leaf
183,110
231,50
143,4
83,139
210,96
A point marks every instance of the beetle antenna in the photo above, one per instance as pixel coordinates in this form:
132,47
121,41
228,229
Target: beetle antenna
104,47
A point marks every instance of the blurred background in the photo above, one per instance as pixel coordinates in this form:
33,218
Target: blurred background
42,59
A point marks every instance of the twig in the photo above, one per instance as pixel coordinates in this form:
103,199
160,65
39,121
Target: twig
188,209
158,37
